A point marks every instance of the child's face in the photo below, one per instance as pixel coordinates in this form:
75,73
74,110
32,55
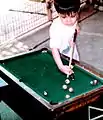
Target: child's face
68,19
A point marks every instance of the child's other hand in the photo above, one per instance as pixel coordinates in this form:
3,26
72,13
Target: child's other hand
66,69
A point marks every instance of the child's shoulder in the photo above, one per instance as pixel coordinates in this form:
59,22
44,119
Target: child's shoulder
56,22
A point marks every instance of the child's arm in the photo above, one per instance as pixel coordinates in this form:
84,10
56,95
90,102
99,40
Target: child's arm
49,10
78,28
63,68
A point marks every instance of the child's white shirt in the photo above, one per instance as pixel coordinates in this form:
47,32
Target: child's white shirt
60,35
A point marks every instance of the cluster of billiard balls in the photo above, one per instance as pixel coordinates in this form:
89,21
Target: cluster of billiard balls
65,87
94,82
67,81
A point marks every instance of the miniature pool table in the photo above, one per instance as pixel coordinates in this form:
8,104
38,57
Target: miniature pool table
36,74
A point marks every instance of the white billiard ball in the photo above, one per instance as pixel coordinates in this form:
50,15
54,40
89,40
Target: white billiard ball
71,89
45,93
67,81
67,96
91,82
71,66
44,51
64,86
95,82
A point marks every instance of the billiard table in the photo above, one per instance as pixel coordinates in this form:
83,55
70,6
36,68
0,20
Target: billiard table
35,85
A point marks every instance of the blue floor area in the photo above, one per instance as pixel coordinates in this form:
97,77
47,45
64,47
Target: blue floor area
7,113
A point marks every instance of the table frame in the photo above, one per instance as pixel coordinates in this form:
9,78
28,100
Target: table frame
58,109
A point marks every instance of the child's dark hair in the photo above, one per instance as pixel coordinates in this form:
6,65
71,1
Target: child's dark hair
67,6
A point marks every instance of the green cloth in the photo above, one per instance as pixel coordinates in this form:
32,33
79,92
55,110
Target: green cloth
39,72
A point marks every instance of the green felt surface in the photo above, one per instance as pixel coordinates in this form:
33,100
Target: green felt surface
39,71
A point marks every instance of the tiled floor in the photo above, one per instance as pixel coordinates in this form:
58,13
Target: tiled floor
26,17
90,41
20,19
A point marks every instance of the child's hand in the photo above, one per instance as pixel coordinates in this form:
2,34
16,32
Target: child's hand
66,69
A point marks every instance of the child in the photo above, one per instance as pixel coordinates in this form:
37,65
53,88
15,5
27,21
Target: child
62,30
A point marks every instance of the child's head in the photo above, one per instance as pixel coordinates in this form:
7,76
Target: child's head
67,10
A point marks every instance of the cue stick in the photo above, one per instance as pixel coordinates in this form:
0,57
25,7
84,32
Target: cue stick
72,50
